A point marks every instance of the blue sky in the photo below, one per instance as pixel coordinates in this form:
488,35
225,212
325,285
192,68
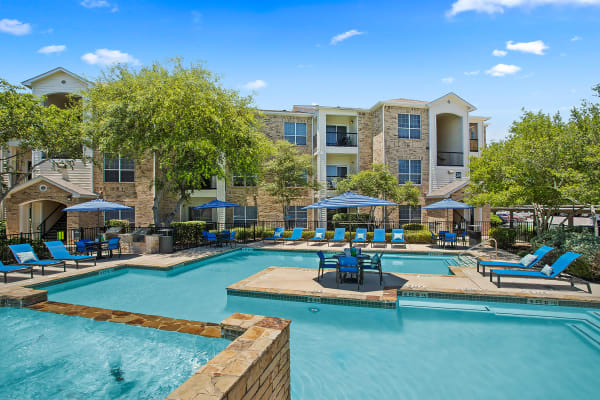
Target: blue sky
347,53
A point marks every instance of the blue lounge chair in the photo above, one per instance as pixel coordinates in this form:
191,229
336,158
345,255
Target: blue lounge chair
324,263
6,269
347,265
378,237
554,271
59,252
339,236
25,255
374,263
319,236
296,235
398,237
529,261
360,236
277,235
114,244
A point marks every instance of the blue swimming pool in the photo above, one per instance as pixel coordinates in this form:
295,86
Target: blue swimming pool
423,349
50,356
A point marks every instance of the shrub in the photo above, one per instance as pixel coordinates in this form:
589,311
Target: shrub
117,223
495,221
350,217
188,231
585,243
414,227
504,236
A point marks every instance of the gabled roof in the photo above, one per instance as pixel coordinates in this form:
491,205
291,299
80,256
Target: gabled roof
447,190
28,83
454,96
75,190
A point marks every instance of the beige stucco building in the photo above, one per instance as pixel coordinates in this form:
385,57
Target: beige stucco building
426,142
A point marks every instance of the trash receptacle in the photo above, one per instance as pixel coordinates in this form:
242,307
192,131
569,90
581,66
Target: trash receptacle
474,238
165,243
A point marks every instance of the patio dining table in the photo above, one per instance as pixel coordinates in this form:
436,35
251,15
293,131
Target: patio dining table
96,245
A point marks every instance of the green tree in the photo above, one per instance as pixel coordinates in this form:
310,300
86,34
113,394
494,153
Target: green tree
25,118
191,125
381,183
287,174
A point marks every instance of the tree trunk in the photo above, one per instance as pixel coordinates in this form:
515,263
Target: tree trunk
155,212
594,221
171,216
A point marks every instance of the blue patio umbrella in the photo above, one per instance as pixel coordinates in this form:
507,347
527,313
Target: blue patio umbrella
448,204
350,199
97,205
216,204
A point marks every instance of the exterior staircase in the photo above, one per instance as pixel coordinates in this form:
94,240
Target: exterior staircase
60,225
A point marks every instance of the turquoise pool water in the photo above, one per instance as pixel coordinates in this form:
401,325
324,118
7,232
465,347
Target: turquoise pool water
422,350
51,356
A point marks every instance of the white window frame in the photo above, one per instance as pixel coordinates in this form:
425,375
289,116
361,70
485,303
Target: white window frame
410,128
296,135
401,182
245,219
410,214
119,169
120,212
245,179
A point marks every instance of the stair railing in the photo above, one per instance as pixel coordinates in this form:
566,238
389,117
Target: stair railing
42,226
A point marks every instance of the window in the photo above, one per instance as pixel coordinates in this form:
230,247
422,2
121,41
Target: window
244,180
295,132
408,214
473,138
205,214
335,172
244,215
409,126
128,215
409,170
295,216
118,169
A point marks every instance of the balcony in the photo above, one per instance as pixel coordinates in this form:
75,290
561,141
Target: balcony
450,159
342,139
474,145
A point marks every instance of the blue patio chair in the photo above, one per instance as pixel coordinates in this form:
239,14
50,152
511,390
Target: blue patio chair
528,261
114,244
25,255
373,264
360,236
277,234
347,266
463,238
379,237
339,236
6,269
231,238
450,239
325,263
319,236
398,237
296,235
205,236
83,246
59,252
548,272
211,238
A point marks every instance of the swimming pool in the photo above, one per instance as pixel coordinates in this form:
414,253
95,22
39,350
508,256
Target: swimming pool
422,349
51,356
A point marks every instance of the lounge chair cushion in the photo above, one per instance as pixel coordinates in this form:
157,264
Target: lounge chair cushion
547,270
26,256
360,236
277,234
375,259
398,236
528,259
319,235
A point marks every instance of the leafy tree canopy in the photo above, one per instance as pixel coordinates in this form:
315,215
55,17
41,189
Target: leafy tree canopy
193,126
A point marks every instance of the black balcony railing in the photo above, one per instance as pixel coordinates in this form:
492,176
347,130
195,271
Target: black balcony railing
450,159
342,139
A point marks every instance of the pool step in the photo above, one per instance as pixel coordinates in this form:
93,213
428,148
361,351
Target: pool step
595,315
465,261
442,306
588,333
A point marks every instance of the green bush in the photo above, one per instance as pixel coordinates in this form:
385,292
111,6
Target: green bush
585,243
495,220
504,236
414,227
350,217
188,231
117,223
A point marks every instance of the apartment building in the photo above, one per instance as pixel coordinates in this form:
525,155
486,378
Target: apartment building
426,142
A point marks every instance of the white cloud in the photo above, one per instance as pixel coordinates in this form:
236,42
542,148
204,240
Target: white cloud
535,47
498,6
255,85
471,73
53,48
108,57
47,31
343,36
14,27
499,53
448,80
576,38
503,69
95,3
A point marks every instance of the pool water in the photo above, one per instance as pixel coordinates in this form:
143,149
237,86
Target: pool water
51,356
423,349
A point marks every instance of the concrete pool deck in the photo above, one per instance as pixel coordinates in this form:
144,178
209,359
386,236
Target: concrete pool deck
301,281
